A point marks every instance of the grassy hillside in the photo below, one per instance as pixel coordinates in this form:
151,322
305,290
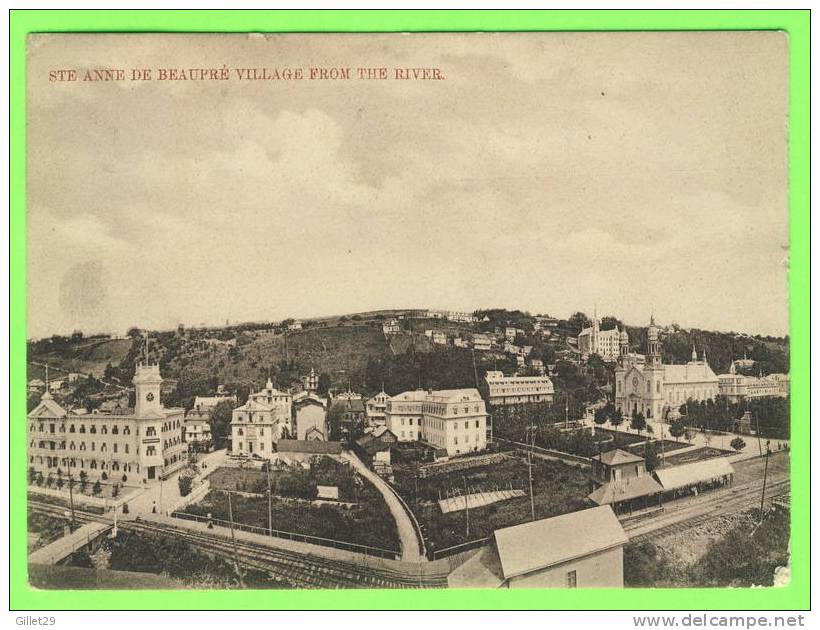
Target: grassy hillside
89,356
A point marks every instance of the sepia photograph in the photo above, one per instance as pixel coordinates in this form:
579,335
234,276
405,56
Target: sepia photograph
487,310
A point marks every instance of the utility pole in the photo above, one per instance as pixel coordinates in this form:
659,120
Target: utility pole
466,506
270,508
71,498
531,430
765,471
233,541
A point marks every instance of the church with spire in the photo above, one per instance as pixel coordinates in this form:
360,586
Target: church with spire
651,387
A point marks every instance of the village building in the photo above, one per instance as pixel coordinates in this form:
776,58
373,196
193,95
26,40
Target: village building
503,390
459,316
438,337
625,484
258,424
145,442
35,385
455,420
197,428
604,343
403,414
376,408
391,327
482,342
310,417
207,403
737,387
295,325
651,388
581,549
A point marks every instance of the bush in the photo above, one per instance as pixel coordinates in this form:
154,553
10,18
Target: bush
104,476
96,488
185,485
738,444
124,478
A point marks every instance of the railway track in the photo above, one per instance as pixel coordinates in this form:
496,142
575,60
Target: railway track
303,571
742,498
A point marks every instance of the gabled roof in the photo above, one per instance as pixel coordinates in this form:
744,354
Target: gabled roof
692,372
540,544
49,408
691,474
617,456
625,489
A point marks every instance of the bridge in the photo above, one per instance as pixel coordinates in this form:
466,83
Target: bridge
61,548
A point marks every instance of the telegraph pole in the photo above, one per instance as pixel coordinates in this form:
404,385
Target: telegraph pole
466,506
233,541
531,430
270,508
71,498
765,471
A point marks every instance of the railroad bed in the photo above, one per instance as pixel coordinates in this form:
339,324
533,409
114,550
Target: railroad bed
303,571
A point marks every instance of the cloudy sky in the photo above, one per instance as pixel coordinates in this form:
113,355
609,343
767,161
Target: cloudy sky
547,172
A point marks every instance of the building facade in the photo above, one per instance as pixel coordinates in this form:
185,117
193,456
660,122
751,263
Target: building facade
455,420
376,408
651,388
403,414
604,343
515,390
257,425
142,443
310,417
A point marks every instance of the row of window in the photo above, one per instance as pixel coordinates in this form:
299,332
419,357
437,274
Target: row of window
70,462
115,430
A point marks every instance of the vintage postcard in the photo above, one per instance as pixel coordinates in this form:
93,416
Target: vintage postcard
408,310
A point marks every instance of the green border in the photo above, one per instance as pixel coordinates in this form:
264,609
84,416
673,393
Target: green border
795,22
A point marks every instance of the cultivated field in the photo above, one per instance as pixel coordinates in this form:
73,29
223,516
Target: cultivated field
557,487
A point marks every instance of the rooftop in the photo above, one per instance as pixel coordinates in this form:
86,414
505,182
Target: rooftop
617,457
625,489
540,544
316,447
691,474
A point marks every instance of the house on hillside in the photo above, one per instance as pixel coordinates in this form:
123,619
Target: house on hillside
310,417
581,549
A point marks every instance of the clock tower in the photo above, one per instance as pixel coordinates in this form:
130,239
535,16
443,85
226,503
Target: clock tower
147,382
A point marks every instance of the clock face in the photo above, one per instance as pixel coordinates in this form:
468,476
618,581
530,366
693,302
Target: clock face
635,382
149,397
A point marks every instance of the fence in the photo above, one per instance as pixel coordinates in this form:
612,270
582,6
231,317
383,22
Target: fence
451,551
567,458
430,470
305,538
195,495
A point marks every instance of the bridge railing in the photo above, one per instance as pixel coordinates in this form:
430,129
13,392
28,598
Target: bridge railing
306,538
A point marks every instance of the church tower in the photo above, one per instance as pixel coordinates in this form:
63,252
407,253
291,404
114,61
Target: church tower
147,382
653,370
620,370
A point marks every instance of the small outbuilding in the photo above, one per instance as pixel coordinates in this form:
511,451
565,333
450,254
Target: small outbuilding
580,549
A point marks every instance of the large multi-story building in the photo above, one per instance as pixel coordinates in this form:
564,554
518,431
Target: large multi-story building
258,424
143,443
604,343
403,414
737,387
516,390
650,387
455,420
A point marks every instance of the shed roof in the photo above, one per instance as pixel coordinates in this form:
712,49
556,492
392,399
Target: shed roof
617,456
690,474
550,541
317,447
625,489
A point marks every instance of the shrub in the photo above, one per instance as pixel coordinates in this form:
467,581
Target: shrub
185,485
738,444
96,488
104,476
124,478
